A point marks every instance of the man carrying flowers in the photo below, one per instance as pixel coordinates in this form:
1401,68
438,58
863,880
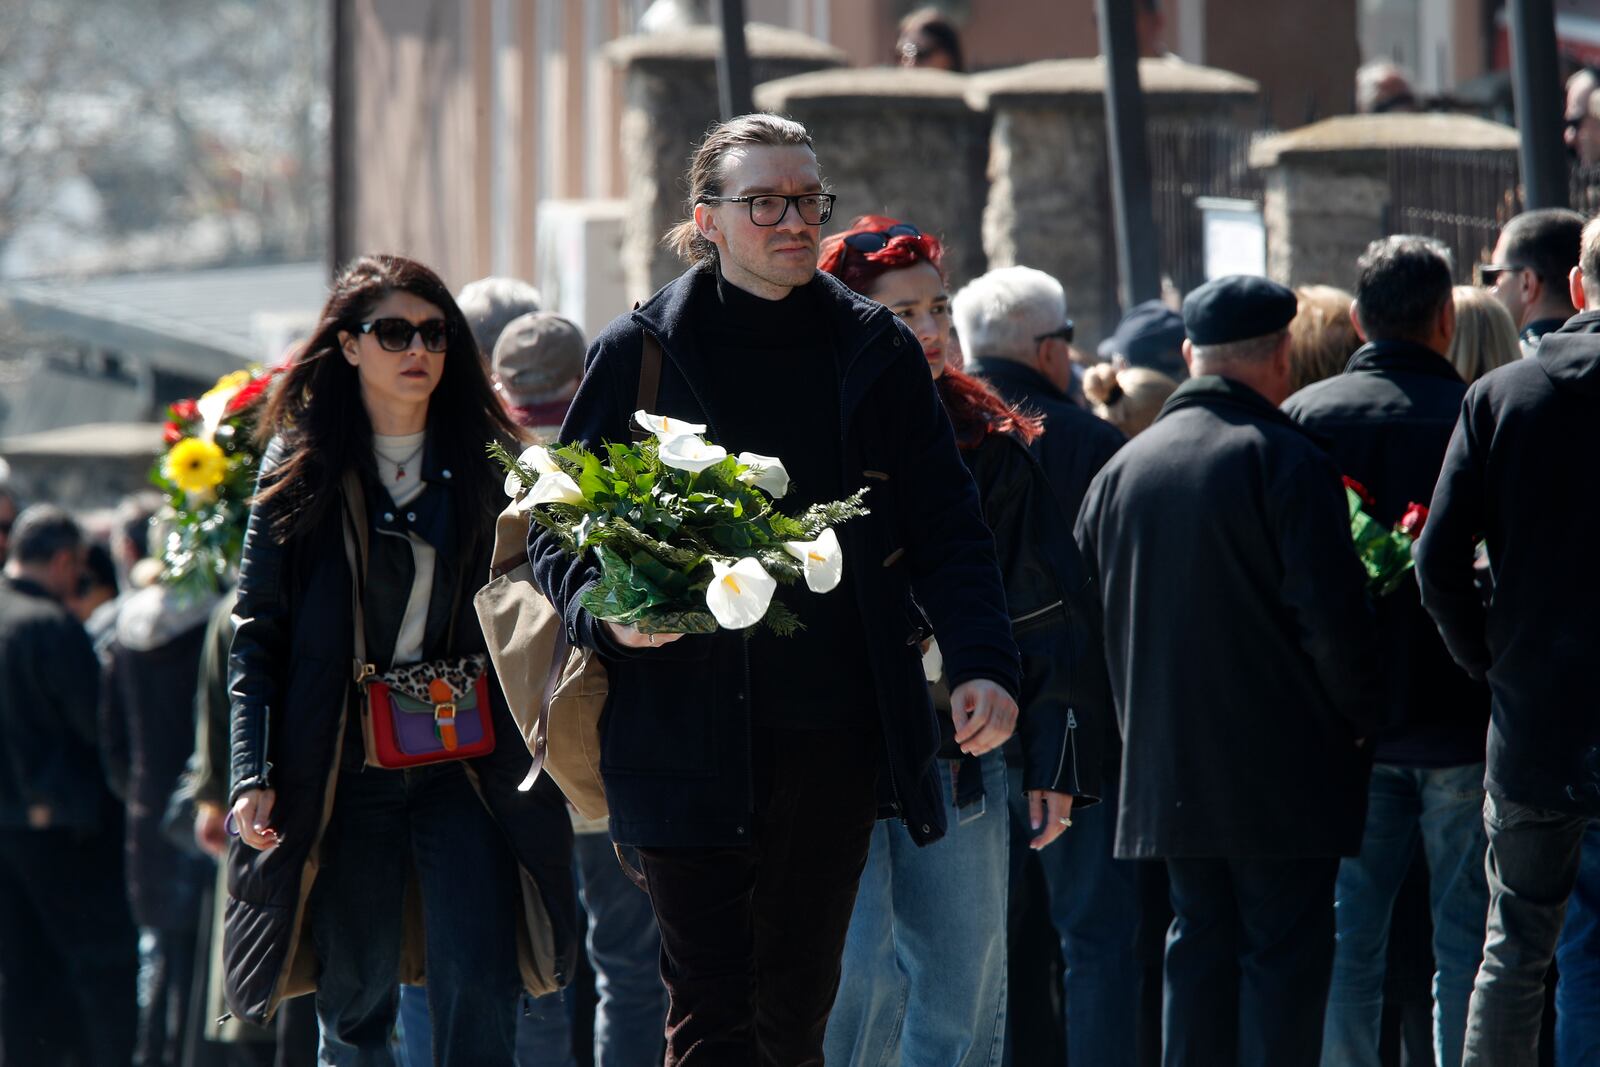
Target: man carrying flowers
749,767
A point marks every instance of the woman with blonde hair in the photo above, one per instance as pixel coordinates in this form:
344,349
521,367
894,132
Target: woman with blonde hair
1322,338
1485,337
1128,398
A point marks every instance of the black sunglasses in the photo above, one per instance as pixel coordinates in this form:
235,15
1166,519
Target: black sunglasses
1489,273
394,335
877,240
1064,331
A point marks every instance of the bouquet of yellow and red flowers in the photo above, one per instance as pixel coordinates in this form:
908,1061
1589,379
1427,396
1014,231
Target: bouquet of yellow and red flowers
207,476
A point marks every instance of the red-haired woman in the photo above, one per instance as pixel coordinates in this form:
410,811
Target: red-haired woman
925,961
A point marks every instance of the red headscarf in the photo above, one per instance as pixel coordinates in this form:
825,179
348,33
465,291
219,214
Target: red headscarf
975,409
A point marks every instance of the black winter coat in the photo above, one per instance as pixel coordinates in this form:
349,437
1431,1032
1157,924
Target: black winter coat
49,693
1387,421
147,721
1066,724
1075,444
1237,632
675,745
1520,474
291,686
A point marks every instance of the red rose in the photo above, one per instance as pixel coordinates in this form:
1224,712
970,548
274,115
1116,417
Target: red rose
1412,521
1360,491
185,411
172,433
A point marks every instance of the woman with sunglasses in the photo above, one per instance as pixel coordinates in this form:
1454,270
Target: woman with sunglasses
925,961
347,875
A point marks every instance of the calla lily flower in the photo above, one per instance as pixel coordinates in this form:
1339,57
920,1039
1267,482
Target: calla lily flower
822,559
553,488
739,594
665,427
765,473
689,452
535,457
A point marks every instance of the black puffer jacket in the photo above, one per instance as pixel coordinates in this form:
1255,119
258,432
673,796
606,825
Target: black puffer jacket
675,735
291,689
1066,729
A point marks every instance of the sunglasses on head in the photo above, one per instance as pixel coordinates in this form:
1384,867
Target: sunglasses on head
394,335
878,240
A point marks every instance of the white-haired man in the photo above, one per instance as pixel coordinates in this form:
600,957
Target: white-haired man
1013,324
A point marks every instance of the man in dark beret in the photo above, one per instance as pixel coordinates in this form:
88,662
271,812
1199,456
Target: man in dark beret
1238,637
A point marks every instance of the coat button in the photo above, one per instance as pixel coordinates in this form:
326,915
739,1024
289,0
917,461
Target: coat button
927,829
444,474
388,516
411,516
738,830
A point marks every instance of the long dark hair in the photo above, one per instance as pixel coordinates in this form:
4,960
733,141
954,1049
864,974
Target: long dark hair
317,407
975,409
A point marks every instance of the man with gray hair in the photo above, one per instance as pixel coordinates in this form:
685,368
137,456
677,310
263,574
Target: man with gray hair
1013,322
1242,660
491,303
1017,336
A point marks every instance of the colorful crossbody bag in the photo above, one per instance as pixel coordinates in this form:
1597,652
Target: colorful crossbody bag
418,713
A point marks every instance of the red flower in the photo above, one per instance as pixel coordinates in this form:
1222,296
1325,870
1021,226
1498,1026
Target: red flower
1412,521
1360,491
247,396
172,433
185,411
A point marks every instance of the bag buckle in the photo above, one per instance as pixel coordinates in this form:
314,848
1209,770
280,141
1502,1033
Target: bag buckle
364,672
444,713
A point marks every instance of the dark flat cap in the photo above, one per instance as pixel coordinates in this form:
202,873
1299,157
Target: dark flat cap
1236,308
1150,335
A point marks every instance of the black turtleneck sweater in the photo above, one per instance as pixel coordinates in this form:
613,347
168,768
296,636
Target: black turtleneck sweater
774,390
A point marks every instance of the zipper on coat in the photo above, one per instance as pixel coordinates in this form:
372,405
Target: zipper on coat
1030,616
1071,746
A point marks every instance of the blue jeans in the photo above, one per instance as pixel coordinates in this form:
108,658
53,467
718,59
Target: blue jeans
1578,960
924,970
625,948
1444,808
1095,908
385,824
1532,867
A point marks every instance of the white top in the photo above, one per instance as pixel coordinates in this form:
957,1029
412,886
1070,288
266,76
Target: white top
400,470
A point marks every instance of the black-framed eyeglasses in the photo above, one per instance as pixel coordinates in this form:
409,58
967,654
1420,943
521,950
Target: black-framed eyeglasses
870,241
769,209
1489,273
1064,332
394,335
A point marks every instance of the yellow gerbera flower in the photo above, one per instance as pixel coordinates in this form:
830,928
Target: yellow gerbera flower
195,465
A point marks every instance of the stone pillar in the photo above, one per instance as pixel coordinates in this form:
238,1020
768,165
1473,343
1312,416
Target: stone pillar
1049,201
895,142
671,98
1333,187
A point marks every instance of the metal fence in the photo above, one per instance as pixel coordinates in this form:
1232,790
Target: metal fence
1459,197
1190,160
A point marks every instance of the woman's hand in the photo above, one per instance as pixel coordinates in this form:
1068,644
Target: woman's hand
1050,814
251,815
631,637
984,715
210,831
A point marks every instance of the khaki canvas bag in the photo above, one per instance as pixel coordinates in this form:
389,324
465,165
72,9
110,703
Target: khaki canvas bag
556,692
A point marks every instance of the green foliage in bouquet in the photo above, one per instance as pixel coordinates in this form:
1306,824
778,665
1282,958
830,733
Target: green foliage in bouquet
1385,552
687,541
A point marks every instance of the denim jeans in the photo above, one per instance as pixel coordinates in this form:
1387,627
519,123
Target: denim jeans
544,1030
924,978
1532,867
1248,961
1578,960
625,949
1095,906
385,825
1444,808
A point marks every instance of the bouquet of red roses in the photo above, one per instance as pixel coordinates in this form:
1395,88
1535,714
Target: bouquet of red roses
1385,551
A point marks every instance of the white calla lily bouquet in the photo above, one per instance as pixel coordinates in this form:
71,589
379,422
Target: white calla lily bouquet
686,535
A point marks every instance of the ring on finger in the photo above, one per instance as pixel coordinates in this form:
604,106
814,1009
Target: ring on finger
1065,820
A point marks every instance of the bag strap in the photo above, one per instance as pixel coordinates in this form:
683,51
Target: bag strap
354,524
649,380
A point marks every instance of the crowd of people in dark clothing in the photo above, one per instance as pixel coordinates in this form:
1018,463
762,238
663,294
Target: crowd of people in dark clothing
1109,751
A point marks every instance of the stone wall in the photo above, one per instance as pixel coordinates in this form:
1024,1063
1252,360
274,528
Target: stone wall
671,99
902,143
